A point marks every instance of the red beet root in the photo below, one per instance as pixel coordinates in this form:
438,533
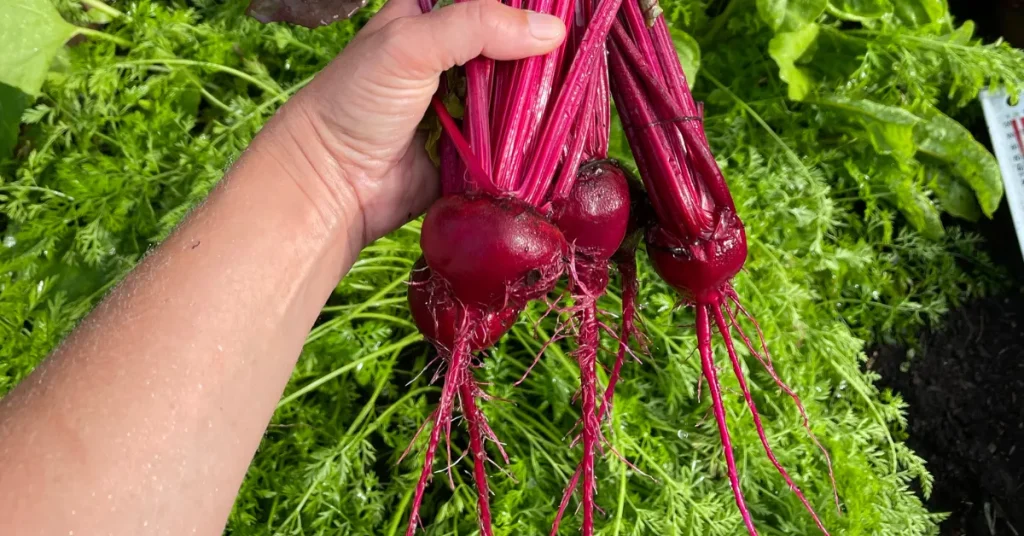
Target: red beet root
493,252
595,214
436,313
701,268
594,217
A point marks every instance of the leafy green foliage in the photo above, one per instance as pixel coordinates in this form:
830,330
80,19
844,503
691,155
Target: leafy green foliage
787,48
789,15
860,10
889,73
125,140
32,32
13,102
688,51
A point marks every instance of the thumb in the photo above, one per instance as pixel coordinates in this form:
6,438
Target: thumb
426,45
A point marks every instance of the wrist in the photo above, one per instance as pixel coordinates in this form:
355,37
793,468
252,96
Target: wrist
293,146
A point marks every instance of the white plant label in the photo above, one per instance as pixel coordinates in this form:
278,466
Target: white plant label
1006,129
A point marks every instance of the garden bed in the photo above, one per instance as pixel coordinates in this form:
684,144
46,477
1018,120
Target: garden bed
962,379
964,385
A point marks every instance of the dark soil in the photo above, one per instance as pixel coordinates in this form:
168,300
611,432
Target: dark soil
964,385
963,381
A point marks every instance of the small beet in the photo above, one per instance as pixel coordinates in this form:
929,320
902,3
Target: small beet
595,215
699,269
436,313
495,253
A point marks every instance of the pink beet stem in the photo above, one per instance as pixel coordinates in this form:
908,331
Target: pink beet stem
600,131
479,76
723,328
638,28
566,106
479,176
651,54
522,99
458,368
693,131
567,176
654,154
708,365
475,421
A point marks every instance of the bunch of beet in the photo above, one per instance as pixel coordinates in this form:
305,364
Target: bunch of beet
529,196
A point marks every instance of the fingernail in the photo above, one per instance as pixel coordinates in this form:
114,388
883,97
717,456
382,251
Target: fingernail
545,27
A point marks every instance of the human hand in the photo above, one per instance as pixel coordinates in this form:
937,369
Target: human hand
355,123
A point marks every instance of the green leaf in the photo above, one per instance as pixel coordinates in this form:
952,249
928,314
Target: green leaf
890,128
943,138
917,13
790,15
32,32
688,51
787,49
860,10
12,104
918,209
955,196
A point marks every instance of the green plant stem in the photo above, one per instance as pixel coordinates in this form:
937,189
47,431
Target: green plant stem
760,121
314,385
400,511
278,94
622,499
324,328
102,7
89,32
13,187
719,22
378,303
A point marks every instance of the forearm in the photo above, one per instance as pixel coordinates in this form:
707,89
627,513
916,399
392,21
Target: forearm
144,421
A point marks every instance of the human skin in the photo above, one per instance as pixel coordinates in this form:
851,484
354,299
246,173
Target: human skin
146,418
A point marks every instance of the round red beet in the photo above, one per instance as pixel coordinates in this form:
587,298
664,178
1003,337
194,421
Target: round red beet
435,313
595,215
494,253
700,268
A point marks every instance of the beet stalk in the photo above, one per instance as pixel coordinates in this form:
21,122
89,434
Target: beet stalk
488,248
696,242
